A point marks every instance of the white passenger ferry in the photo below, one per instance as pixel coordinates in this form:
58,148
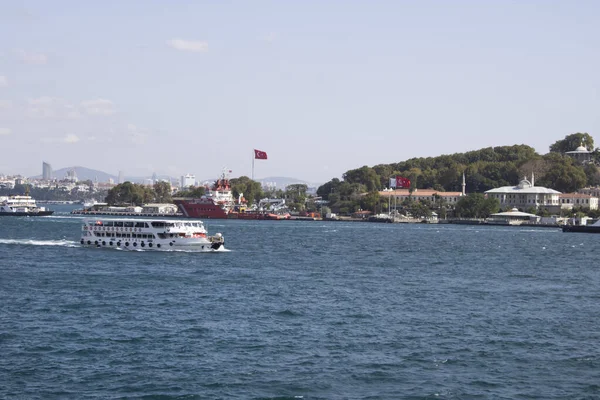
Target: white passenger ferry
149,234
20,206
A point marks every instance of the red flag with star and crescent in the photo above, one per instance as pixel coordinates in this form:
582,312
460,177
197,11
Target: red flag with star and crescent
402,182
260,155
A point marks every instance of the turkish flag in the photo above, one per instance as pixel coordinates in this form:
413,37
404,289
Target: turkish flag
260,155
402,182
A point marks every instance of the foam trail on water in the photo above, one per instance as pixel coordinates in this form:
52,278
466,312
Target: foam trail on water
31,242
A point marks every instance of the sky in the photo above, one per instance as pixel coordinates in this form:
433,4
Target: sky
177,87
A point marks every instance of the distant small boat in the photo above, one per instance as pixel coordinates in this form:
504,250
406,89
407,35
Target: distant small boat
594,228
21,206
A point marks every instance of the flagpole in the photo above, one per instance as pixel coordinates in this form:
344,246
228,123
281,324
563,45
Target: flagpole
253,165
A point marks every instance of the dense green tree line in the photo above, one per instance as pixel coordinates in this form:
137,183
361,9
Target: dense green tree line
128,193
484,169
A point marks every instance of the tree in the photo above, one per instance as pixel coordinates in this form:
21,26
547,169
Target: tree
562,175
364,175
251,190
328,188
128,193
592,174
296,193
193,191
370,201
475,205
419,210
162,192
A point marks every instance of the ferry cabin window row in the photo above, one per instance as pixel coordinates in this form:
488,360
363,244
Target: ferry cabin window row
126,235
141,235
140,224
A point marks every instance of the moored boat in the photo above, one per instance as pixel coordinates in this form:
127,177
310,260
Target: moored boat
22,206
149,234
215,204
594,228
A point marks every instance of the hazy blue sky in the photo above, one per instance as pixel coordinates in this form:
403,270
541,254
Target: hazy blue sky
179,87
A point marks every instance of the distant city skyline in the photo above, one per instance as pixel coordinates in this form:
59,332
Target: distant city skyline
322,87
81,173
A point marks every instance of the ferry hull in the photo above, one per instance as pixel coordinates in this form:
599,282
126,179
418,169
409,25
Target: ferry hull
155,246
204,210
26,214
581,228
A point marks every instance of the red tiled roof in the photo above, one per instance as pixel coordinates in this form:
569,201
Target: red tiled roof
419,192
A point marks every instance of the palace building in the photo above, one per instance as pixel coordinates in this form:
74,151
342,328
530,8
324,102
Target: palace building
526,195
570,200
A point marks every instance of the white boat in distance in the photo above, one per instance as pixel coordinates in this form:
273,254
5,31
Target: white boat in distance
21,206
149,234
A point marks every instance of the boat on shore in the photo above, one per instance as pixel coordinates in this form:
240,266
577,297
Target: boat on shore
149,234
219,203
594,228
257,215
215,204
22,206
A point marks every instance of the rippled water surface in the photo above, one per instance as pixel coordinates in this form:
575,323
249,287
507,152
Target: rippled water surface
312,310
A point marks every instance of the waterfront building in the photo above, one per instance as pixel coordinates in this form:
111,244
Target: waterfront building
46,171
397,196
162,208
526,195
512,217
592,191
581,154
570,200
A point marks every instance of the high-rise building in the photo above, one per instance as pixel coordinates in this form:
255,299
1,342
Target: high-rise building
71,176
46,171
188,180
121,177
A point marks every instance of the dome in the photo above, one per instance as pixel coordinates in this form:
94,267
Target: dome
524,184
581,148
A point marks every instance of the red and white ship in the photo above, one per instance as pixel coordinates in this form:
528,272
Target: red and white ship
215,204
219,203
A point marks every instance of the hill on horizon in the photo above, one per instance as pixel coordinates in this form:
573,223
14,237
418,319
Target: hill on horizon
84,173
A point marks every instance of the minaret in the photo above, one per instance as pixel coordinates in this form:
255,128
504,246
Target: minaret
464,185
532,179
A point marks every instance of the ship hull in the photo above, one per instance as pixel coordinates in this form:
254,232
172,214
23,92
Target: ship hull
26,214
204,210
581,228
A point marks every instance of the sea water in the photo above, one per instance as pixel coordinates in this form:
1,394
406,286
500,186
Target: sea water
296,309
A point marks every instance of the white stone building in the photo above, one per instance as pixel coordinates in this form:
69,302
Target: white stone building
526,195
570,200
